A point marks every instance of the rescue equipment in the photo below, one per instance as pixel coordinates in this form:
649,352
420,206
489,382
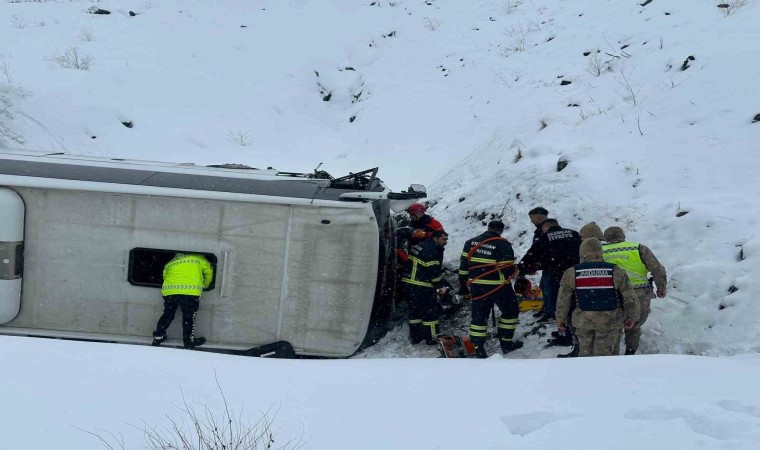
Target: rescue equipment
455,346
496,266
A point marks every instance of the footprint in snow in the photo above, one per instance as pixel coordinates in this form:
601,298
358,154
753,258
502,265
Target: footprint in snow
523,424
698,423
738,407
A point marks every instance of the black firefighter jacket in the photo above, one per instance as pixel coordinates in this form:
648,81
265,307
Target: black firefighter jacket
424,268
496,251
555,251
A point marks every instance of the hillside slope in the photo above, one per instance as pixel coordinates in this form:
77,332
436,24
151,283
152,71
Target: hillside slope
674,167
651,107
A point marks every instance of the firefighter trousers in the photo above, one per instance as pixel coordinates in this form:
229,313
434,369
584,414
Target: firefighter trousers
506,300
424,312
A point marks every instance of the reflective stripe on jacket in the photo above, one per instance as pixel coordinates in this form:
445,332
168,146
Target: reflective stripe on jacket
424,266
186,275
626,255
484,259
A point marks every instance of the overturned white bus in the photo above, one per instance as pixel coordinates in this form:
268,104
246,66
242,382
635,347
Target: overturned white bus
303,258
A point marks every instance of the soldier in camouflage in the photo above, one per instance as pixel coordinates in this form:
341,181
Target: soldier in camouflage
604,301
590,230
637,260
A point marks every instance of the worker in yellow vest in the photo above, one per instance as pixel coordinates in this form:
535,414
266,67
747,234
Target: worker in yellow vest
185,278
638,261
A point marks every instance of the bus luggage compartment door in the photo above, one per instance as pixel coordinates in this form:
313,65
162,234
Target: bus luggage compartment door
11,253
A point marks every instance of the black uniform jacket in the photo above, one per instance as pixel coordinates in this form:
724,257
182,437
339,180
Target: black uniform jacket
496,251
424,267
555,251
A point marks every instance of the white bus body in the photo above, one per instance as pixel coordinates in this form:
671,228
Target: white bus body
83,241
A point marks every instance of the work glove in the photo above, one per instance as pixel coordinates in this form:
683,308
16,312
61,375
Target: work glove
419,234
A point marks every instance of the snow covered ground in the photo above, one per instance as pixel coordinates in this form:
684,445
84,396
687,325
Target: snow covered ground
55,392
472,99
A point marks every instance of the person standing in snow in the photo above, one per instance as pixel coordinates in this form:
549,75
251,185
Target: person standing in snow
637,260
185,278
554,252
590,230
423,281
485,269
603,298
537,216
422,228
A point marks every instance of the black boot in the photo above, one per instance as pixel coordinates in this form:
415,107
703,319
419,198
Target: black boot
546,319
562,341
630,350
539,314
572,354
157,340
480,351
510,346
194,342
416,333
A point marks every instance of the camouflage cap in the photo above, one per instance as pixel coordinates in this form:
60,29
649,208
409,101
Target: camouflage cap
614,234
591,230
591,248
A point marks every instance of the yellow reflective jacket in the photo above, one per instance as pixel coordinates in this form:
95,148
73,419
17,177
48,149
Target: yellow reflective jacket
186,275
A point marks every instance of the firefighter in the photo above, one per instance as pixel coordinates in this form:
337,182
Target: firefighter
185,278
423,281
537,216
603,298
423,225
555,251
485,269
637,260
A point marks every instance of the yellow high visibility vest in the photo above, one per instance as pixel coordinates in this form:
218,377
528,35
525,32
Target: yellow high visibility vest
626,256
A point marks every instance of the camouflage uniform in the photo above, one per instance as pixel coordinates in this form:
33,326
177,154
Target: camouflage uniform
645,293
598,331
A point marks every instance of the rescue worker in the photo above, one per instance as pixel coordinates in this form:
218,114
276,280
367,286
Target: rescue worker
485,269
637,260
537,216
423,225
570,338
421,228
555,251
604,301
423,281
185,278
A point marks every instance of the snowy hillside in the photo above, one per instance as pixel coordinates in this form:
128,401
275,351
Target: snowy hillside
657,143
651,107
